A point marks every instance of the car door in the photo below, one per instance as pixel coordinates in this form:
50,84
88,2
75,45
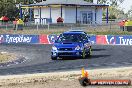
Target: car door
86,42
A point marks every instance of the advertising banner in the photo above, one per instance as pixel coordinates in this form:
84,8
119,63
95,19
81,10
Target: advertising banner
124,40
43,39
47,39
114,39
93,39
101,39
50,39
18,38
105,39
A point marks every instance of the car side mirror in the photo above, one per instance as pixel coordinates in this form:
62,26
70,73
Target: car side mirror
54,41
88,36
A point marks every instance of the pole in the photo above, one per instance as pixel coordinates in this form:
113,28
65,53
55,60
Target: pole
107,15
76,14
30,10
40,15
50,12
61,11
48,25
16,26
37,26
95,15
20,11
6,26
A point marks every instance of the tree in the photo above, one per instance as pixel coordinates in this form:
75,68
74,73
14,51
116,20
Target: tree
24,1
89,0
129,13
114,12
8,8
110,2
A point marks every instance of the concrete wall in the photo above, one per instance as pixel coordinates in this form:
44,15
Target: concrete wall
45,13
68,14
99,16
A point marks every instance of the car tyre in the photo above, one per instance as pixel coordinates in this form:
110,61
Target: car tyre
90,52
54,58
84,54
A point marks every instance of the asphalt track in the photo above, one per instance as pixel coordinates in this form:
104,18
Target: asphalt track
36,59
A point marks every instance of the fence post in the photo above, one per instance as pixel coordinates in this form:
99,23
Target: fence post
37,26
48,25
16,27
95,26
110,25
71,27
6,26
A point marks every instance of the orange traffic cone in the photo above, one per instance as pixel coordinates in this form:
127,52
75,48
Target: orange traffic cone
84,80
84,73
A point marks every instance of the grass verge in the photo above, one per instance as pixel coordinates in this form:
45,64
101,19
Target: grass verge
6,57
60,30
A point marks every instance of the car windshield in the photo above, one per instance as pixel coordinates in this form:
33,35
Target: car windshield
68,38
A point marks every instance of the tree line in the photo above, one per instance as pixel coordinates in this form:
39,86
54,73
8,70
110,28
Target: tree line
8,7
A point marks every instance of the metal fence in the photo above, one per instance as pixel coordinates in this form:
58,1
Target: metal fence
113,26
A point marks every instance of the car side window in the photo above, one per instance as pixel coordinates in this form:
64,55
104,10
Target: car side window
84,37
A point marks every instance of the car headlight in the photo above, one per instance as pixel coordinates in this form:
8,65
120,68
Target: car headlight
54,48
87,45
78,47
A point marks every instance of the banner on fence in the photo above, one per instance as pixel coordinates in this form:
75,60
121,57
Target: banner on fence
43,39
114,39
18,38
101,39
93,39
105,39
124,40
50,39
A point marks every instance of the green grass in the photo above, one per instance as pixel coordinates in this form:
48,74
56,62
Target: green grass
110,33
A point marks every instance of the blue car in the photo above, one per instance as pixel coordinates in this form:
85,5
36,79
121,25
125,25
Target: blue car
71,44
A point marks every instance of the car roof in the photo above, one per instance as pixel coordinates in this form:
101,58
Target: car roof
76,30
73,32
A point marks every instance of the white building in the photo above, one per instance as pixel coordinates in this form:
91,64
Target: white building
72,11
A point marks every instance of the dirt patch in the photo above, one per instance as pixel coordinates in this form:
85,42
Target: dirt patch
64,79
6,57
59,84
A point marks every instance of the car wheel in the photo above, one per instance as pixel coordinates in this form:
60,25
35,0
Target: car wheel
84,54
90,52
54,58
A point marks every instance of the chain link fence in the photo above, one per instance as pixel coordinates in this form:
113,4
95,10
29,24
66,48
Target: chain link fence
31,27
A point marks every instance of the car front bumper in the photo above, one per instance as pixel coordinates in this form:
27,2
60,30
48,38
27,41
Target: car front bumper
67,53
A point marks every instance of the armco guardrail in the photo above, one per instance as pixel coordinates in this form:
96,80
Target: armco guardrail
49,39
